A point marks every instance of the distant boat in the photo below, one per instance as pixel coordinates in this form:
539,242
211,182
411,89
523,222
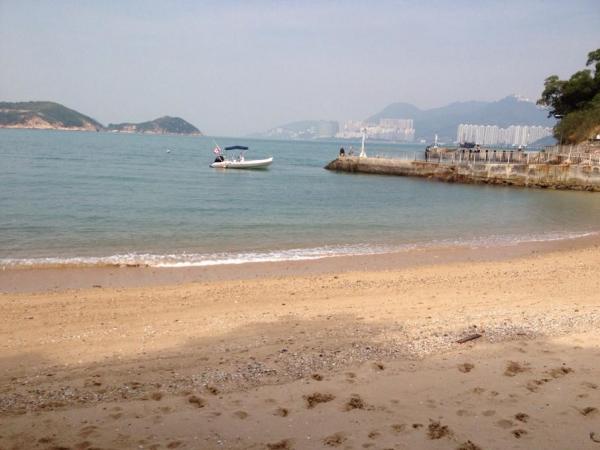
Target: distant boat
239,161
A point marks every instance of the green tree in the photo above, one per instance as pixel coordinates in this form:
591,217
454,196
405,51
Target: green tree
576,101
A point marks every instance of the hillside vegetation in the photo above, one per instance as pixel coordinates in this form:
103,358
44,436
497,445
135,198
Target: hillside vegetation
54,116
576,102
44,115
162,125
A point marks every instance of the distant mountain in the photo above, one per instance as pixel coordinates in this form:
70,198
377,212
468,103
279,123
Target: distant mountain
444,121
44,115
305,129
162,125
544,142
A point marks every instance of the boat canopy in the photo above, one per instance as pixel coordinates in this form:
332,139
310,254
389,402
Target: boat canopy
236,147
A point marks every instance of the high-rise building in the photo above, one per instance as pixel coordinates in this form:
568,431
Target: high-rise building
491,135
387,129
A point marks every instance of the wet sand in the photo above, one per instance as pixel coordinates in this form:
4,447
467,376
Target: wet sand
61,278
359,354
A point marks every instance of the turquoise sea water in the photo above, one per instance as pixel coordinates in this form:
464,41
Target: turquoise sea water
70,197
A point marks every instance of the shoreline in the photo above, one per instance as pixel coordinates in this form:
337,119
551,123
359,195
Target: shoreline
61,278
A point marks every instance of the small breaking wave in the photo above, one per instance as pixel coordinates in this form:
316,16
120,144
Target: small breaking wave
184,259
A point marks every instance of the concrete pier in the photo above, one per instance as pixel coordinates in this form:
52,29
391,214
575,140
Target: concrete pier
581,177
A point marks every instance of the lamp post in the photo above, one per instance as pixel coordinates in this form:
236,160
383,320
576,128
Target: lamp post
363,154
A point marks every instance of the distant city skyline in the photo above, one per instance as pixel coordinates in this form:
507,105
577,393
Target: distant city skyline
513,135
233,68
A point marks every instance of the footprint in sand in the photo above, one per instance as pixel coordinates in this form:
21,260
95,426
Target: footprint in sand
317,377
504,423
335,440
489,413
559,372
156,396
355,402
466,367
82,445
240,414
212,390
285,444
468,446
378,366
534,385
513,368
398,427
92,383
518,433
174,444
316,398
374,434
522,417
197,401
588,411
436,430
281,412
88,430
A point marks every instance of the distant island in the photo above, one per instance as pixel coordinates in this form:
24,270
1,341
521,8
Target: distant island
162,125
54,116
45,115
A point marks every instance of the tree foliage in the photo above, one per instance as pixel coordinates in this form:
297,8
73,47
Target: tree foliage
576,101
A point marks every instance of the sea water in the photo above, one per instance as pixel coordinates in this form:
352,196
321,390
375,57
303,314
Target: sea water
104,198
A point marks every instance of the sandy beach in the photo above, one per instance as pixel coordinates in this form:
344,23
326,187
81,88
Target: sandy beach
348,353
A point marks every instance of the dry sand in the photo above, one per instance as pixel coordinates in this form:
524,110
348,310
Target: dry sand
330,358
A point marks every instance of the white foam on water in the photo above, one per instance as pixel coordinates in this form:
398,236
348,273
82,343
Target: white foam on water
297,254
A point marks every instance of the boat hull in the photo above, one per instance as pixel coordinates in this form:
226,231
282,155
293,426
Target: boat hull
246,164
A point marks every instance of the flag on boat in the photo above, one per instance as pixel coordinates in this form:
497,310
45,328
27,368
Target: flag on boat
217,150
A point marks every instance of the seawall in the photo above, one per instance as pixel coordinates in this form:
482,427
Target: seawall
581,177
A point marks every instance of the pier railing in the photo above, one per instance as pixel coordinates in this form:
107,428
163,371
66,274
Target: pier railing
464,156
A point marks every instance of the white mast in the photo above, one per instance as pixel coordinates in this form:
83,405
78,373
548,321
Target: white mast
362,147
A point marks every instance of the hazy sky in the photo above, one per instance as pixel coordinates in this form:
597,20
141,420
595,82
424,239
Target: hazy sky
233,67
